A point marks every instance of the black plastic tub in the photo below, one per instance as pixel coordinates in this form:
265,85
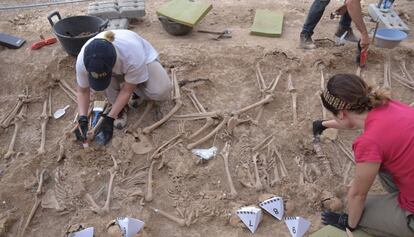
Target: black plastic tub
73,32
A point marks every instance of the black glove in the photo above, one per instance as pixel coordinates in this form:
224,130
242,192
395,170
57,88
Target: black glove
82,129
105,131
317,127
338,220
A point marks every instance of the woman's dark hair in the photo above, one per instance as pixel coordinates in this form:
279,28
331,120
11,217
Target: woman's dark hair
352,91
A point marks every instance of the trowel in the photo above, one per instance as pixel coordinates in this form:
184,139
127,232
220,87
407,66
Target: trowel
60,112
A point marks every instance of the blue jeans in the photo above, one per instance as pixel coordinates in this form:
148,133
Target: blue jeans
315,15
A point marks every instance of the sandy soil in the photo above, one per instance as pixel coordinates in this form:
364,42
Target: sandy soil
182,185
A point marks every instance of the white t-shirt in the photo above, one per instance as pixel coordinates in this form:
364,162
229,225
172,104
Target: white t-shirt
133,55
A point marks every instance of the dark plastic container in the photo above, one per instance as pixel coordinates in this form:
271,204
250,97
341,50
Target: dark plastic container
73,32
174,28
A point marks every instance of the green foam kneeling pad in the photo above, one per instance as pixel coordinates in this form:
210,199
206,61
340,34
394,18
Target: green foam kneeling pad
184,12
267,23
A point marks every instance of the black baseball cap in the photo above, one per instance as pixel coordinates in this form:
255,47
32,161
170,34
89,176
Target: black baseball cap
99,58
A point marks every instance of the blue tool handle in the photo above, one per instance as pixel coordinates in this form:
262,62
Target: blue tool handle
95,119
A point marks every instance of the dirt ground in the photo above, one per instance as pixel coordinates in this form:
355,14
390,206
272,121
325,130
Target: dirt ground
182,186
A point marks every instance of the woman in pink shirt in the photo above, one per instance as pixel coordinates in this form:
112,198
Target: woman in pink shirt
386,148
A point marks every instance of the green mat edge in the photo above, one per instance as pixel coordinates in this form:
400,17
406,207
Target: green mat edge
185,23
274,35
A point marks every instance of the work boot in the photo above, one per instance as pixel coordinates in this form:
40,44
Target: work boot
121,121
306,41
135,101
348,37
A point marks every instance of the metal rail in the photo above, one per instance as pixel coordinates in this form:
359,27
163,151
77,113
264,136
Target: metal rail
3,8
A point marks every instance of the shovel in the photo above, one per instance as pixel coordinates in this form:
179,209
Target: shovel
60,112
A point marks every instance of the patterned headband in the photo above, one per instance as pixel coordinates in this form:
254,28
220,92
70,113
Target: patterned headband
335,101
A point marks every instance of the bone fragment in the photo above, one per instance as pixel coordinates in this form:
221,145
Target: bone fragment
272,86
211,134
225,154
68,87
92,132
148,194
293,93
178,104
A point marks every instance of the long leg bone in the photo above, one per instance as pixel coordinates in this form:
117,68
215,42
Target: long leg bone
148,195
386,83
211,134
178,104
105,209
404,69
322,89
112,173
44,119
157,153
68,93
18,120
36,204
180,221
282,163
49,103
262,86
267,99
198,116
201,109
271,88
258,184
292,91
262,143
342,147
9,118
147,109
348,168
225,154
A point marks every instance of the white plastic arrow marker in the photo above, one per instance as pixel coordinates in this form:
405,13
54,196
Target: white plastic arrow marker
88,232
251,217
297,225
274,206
129,226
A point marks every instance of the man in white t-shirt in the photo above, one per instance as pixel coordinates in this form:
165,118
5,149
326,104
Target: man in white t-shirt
122,64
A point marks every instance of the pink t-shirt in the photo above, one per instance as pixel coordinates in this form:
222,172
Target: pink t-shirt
388,139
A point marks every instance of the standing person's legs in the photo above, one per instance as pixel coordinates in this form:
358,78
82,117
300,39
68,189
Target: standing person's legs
345,21
383,215
158,86
314,16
